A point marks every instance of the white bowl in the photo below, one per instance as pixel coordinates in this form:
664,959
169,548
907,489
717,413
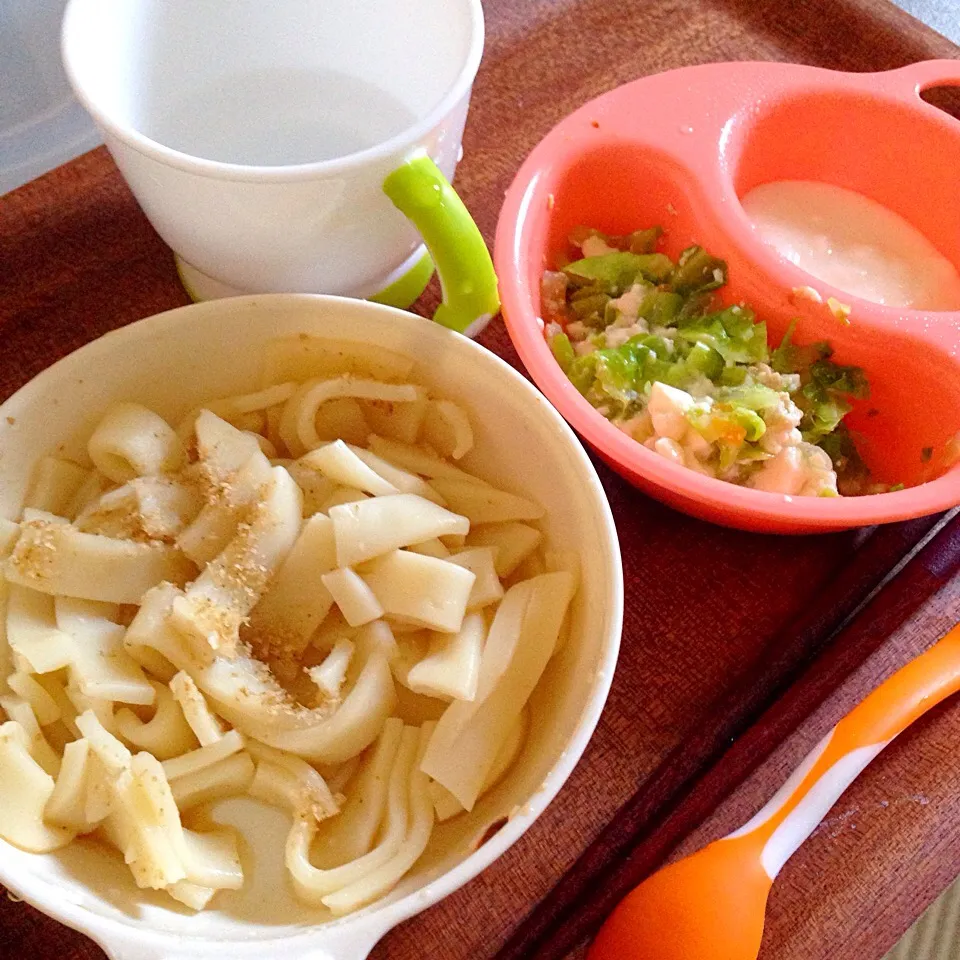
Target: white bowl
175,360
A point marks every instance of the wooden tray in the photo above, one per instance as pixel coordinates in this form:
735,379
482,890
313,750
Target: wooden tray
719,624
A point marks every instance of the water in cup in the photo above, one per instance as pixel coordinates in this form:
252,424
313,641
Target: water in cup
277,117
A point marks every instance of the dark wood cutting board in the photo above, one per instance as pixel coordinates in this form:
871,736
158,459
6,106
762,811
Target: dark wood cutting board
719,624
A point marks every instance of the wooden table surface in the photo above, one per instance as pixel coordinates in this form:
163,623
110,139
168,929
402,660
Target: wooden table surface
727,636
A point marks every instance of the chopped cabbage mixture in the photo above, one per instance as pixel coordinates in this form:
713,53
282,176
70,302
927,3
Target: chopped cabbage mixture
645,340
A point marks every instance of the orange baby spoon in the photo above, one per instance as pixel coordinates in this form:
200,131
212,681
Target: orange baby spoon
711,905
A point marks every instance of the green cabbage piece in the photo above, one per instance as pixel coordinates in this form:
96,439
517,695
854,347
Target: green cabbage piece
640,241
562,350
790,358
617,272
582,372
697,270
661,307
826,388
644,241
705,360
751,422
749,396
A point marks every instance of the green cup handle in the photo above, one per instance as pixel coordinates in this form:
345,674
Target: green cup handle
423,194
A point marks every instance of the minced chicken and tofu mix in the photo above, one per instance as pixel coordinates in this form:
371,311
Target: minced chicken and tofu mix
646,343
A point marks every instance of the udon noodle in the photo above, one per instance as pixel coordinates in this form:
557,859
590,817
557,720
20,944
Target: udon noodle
268,599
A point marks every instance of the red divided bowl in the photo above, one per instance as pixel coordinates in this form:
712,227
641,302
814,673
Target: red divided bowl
678,149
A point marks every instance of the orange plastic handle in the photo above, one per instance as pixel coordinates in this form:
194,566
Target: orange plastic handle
881,716
711,905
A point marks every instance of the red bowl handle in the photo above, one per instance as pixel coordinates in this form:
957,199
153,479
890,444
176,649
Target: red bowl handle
907,83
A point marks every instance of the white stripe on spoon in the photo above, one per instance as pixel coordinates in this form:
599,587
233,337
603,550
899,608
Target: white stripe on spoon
802,820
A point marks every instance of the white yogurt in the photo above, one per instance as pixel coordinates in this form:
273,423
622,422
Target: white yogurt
853,243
